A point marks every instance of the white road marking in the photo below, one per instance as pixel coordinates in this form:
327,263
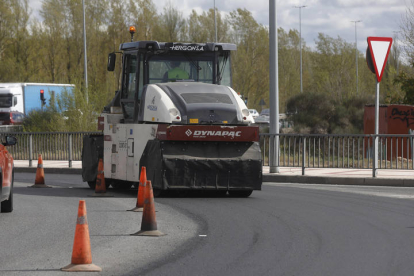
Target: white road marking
393,192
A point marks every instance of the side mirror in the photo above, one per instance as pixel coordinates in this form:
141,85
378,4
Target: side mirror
14,101
111,62
10,141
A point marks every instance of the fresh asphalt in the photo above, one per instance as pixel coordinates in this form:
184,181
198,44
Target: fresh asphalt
285,229
294,229
37,237
336,176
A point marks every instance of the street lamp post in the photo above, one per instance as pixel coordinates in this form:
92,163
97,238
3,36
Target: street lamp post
300,43
215,22
273,90
356,54
84,51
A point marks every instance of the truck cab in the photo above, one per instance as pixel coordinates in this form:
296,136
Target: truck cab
11,98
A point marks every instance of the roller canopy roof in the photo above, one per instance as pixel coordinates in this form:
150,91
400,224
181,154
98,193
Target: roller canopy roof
178,47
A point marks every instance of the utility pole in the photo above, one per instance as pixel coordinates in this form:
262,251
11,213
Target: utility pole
356,53
84,51
300,43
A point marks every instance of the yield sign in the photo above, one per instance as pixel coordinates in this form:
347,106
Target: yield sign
379,48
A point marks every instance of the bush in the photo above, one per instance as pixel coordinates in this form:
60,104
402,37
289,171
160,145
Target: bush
43,121
70,120
319,114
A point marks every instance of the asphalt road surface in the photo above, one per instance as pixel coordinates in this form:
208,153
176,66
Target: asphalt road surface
285,229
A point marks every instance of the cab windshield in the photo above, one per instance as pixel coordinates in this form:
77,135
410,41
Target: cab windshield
6,100
173,68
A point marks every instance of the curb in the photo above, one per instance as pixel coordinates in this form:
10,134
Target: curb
49,170
356,181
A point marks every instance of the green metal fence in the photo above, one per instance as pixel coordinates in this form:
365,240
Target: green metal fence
295,150
51,145
347,151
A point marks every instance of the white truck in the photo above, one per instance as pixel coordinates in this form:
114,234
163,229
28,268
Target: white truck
24,97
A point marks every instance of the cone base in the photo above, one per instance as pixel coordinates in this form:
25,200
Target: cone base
39,186
101,195
81,267
153,233
137,209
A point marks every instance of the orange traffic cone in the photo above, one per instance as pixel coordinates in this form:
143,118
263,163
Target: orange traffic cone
149,223
141,190
40,175
81,254
100,187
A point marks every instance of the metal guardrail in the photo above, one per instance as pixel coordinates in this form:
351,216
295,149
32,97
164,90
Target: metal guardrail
340,151
295,150
51,145
11,128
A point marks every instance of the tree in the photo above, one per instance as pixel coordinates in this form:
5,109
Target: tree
311,112
406,81
289,64
51,34
334,66
201,27
43,121
407,31
318,113
116,33
144,16
14,40
172,25
251,60
97,47
5,26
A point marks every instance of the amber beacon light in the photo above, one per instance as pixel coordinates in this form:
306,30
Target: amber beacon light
132,32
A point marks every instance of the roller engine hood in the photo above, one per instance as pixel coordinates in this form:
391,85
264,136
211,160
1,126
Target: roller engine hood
203,103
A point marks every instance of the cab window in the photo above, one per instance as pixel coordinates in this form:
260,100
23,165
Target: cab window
225,70
141,76
130,76
197,69
129,85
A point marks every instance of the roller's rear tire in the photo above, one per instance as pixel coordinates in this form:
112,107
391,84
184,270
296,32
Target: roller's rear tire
243,193
221,193
92,184
159,192
121,185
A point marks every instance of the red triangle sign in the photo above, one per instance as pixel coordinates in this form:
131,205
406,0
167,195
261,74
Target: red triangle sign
379,47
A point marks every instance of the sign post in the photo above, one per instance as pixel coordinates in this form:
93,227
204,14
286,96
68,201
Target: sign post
377,55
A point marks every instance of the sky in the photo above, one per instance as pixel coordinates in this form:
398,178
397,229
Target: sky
330,17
